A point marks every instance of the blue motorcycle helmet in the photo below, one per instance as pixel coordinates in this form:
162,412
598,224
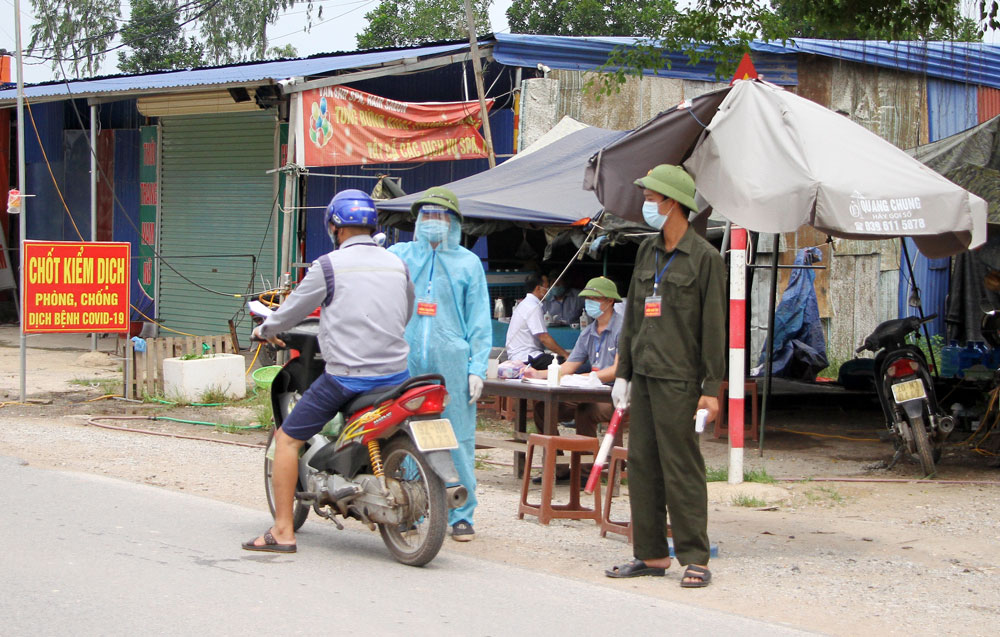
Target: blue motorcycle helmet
352,208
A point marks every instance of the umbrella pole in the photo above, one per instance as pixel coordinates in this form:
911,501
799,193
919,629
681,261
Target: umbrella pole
920,307
769,344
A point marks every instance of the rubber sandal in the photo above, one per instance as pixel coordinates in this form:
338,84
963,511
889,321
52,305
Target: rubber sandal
270,545
635,568
695,572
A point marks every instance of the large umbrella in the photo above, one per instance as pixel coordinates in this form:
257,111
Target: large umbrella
772,161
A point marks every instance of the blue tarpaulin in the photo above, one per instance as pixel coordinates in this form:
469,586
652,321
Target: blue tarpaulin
800,347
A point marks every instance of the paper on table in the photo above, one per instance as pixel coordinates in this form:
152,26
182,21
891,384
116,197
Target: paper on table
581,380
535,381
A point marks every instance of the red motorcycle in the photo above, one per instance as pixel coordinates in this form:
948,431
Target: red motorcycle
384,460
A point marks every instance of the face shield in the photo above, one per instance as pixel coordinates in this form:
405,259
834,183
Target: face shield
438,226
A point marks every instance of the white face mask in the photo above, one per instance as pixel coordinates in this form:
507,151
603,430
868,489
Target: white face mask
651,215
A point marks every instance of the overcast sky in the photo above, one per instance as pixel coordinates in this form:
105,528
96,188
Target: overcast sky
342,20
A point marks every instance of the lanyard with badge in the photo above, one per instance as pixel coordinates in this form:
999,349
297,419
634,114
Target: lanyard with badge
427,306
654,303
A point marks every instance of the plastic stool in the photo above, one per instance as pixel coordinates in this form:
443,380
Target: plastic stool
545,511
749,387
618,456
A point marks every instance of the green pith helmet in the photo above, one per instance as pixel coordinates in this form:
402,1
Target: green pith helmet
437,196
670,181
601,288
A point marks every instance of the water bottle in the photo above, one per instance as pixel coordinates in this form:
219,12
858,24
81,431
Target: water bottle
967,357
584,319
949,359
498,310
984,353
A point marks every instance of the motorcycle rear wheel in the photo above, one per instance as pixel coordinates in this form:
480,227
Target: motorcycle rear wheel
924,452
299,511
418,539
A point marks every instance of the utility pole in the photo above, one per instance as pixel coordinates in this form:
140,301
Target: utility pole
478,68
22,225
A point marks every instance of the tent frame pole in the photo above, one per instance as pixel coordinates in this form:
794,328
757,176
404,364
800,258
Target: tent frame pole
769,345
920,307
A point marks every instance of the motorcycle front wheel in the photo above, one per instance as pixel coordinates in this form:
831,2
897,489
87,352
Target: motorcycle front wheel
299,511
418,538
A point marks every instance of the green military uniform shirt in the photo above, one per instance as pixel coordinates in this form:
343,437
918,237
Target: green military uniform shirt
687,341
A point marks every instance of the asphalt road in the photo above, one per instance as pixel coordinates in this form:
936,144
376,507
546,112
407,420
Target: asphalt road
86,555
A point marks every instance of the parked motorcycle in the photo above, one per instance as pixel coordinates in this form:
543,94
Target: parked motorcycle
383,461
906,391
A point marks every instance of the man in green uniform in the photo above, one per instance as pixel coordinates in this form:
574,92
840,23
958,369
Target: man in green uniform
672,360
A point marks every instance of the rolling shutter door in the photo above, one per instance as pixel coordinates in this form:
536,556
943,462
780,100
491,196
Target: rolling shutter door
216,202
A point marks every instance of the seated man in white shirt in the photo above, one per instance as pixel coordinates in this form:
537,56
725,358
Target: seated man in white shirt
526,334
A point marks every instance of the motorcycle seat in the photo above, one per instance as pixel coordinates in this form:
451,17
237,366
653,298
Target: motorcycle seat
388,392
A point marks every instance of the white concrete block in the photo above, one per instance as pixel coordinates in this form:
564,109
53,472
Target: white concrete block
189,380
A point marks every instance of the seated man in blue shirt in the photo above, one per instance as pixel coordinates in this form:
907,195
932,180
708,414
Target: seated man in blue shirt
598,346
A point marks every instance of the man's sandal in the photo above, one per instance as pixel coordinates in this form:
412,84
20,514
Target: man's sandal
635,568
270,545
700,574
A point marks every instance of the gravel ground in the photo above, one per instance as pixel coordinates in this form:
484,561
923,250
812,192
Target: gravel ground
834,557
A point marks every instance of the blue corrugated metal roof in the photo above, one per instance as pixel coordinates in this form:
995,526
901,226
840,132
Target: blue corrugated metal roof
235,74
969,62
588,53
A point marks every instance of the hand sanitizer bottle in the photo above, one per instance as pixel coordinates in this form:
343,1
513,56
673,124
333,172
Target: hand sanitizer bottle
553,379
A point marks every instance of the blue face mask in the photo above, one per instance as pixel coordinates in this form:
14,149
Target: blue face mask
651,215
592,308
434,230
557,291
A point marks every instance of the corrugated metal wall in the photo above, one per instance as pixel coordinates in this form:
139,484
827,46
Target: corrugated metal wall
638,100
46,215
989,103
126,208
931,277
951,107
414,178
216,202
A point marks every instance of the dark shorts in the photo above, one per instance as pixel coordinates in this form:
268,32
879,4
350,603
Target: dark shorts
321,402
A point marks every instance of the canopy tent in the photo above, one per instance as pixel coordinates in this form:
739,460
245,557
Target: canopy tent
772,161
542,187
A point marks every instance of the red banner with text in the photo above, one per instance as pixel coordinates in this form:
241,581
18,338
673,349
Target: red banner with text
345,127
75,287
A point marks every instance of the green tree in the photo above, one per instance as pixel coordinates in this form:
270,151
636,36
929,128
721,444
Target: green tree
722,30
81,33
75,31
395,23
155,40
808,19
590,17
282,52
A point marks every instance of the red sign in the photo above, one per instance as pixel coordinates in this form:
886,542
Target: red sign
75,287
345,127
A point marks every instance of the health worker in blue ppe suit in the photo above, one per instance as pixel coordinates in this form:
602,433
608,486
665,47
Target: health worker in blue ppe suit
450,333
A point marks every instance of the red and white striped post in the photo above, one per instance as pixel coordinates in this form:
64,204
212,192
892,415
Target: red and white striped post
737,344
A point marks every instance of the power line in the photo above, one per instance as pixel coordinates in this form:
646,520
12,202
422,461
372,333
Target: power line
297,31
